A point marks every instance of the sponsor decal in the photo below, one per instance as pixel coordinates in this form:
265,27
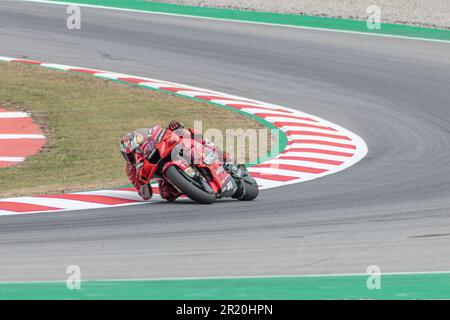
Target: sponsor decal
190,172
160,136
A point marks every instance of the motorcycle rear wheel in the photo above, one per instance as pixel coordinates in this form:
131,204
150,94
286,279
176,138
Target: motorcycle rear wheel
187,187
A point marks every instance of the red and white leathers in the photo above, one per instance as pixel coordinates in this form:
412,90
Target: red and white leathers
166,190
132,170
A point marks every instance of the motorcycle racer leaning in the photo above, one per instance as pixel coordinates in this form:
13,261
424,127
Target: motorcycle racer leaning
137,146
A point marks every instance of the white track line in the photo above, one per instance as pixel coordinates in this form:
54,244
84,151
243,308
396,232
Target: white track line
311,129
316,155
12,159
309,164
318,146
156,85
294,137
319,138
21,136
280,172
276,276
123,194
287,119
10,115
57,66
261,110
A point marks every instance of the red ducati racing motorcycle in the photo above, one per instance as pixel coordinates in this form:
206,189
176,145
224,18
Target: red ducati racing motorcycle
194,169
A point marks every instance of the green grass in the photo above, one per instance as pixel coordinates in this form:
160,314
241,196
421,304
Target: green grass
84,119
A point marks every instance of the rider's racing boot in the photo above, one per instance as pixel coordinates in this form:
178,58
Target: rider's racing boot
167,191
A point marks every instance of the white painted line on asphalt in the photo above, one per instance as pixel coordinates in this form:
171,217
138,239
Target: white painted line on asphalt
123,194
318,138
110,76
192,94
277,171
12,159
261,109
57,66
311,129
10,115
130,195
7,213
276,276
156,85
21,136
309,164
318,146
285,118
310,136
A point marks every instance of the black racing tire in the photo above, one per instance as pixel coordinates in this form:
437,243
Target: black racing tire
188,188
251,188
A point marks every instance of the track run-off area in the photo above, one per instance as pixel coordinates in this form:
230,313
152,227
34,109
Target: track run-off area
391,209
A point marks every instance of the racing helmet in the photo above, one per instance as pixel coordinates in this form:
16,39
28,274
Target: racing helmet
128,146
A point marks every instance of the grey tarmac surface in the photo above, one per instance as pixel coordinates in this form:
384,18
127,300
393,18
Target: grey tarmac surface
392,209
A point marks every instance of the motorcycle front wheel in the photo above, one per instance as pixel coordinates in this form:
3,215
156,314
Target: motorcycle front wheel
251,188
189,187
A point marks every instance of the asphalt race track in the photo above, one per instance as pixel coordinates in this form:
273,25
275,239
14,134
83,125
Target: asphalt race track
392,209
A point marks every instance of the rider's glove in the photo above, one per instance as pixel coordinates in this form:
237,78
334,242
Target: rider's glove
237,171
174,125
